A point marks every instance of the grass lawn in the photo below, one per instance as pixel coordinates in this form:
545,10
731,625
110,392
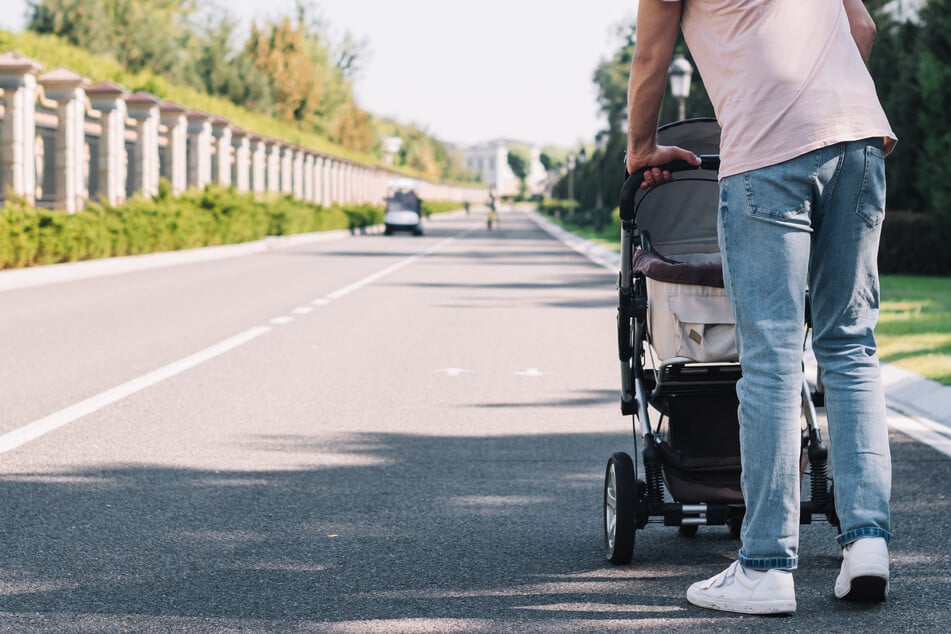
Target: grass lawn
914,327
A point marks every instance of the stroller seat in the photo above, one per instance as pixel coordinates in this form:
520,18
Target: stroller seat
689,316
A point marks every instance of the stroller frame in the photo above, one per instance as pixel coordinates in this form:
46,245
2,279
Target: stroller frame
630,503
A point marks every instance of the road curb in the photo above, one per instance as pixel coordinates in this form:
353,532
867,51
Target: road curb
73,271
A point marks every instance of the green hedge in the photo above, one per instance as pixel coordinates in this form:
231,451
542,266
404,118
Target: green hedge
431,207
197,218
556,207
913,244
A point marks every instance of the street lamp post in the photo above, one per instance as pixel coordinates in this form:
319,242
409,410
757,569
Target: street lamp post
679,73
579,162
600,144
571,181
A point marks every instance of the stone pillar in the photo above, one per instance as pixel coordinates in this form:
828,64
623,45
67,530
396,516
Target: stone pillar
241,173
308,177
287,169
319,185
66,88
109,100
329,184
144,109
273,166
365,185
298,161
352,190
199,149
345,170
221,132
176,147
258,164
18,134
337,179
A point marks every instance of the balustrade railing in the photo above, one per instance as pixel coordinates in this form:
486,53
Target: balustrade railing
64,141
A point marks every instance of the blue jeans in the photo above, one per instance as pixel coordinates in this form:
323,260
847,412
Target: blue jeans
811,221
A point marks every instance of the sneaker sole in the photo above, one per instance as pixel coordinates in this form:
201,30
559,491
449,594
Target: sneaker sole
872,589
743,607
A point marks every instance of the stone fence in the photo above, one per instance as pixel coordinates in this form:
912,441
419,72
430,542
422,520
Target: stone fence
64,141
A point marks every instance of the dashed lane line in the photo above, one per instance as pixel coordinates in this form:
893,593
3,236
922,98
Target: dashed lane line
43,426
38,428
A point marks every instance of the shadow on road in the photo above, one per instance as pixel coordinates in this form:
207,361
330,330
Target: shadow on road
424,533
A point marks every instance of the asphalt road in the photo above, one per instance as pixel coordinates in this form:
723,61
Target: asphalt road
373,434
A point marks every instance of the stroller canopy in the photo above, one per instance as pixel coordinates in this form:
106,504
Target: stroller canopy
681,216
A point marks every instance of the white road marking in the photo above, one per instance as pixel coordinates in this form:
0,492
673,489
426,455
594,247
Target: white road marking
922,430
530,372
45,425
303,310
41,427
369,279
453,371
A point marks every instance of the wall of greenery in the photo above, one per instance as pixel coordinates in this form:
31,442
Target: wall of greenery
213,216
909,63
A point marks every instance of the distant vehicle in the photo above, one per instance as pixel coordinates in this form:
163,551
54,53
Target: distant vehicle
404,208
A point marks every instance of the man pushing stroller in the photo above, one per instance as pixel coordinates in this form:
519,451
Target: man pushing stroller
802,190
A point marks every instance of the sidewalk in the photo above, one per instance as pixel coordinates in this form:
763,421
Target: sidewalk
921,408
72,271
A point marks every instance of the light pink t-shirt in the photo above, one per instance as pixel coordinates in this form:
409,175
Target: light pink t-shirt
785,77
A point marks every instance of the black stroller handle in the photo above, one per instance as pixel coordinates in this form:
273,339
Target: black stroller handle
633,182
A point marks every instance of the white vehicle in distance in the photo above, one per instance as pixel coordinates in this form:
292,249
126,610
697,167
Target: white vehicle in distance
404,208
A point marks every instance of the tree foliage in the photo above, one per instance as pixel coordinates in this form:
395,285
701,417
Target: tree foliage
909,63
288,67
518,161
934,80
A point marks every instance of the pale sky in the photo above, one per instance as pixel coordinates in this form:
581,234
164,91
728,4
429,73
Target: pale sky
468,71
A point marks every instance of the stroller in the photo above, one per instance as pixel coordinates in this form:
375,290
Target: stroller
671,303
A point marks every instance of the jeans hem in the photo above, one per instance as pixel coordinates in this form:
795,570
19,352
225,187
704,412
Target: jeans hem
854,535
769,563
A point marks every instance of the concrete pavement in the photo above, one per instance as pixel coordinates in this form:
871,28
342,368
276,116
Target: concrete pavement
924,404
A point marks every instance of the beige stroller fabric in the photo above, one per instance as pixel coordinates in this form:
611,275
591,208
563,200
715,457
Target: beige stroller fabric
690,322
689,316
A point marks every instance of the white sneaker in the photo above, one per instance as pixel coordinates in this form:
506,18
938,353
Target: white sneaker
864,574
747,592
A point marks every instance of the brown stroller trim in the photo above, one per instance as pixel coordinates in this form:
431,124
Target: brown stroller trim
657,267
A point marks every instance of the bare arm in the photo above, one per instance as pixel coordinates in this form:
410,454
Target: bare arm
861,25
657,26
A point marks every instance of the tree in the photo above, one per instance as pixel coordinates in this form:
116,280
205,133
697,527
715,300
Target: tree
141,34
552,158
893,65
282,53
223,70
518,161
934,79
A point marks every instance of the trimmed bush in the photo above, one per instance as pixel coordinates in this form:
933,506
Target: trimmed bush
431,207
913,244
197,218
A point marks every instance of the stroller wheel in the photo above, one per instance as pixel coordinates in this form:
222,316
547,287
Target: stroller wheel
620,502
688,530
